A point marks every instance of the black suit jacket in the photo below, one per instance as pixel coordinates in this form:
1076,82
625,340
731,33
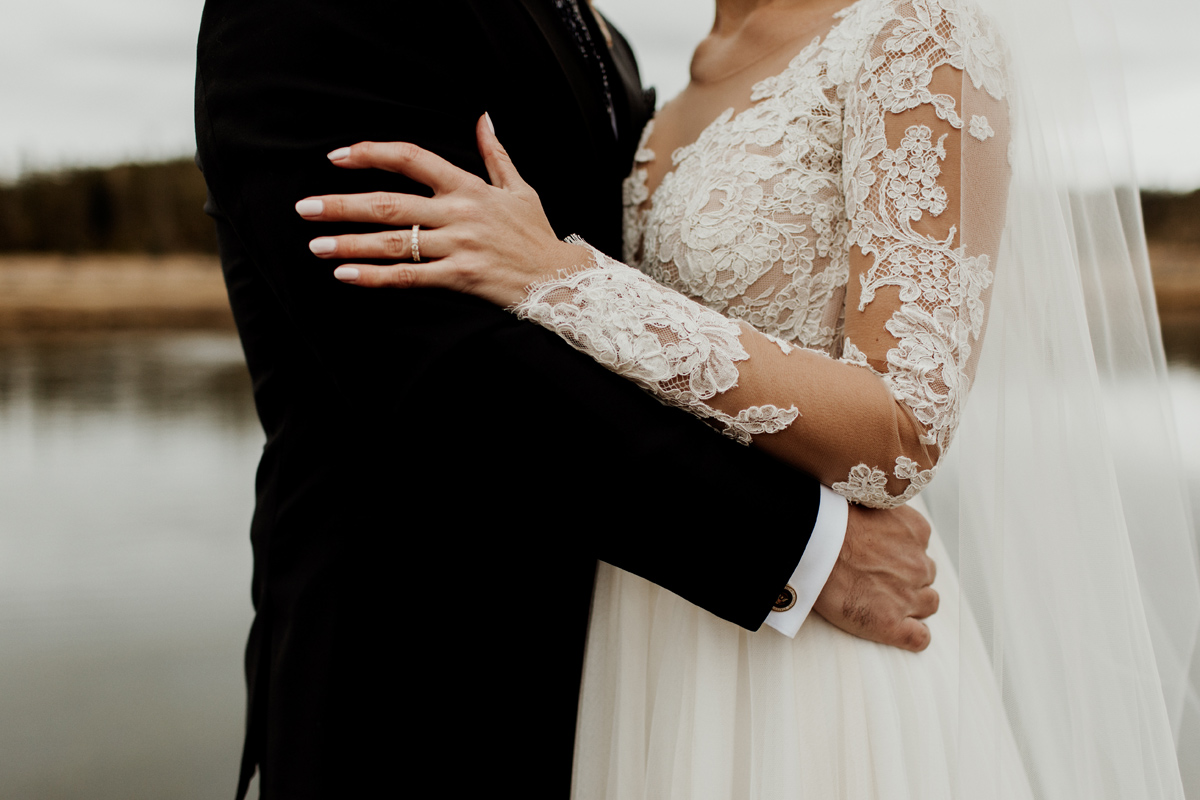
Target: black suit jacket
439,478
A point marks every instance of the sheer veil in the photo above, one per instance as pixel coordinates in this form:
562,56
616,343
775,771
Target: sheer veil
1062,498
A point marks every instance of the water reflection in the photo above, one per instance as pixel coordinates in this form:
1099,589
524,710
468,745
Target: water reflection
157,377
126,487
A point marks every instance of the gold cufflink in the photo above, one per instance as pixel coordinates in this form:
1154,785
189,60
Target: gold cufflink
786,599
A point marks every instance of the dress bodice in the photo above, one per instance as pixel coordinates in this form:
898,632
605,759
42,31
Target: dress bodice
819,221
751,220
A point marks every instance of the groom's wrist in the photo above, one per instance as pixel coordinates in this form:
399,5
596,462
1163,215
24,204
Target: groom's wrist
796,600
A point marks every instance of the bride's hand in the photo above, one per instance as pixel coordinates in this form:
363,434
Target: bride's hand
487,240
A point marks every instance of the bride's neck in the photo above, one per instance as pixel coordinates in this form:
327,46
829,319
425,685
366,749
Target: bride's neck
734,15
746,32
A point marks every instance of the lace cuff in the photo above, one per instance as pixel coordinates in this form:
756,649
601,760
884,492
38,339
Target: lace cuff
680,351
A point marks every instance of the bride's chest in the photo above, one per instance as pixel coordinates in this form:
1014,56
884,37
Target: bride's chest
750,219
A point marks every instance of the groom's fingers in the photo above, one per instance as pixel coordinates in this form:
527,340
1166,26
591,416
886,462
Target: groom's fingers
927,602
880,588
913,635
406,159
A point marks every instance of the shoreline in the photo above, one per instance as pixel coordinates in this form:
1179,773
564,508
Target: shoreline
57,292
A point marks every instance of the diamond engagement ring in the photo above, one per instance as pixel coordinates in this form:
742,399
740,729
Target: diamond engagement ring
416,244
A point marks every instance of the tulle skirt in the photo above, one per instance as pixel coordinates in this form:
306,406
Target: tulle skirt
679,704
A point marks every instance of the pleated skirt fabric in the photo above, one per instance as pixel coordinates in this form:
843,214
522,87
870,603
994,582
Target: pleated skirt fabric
678,704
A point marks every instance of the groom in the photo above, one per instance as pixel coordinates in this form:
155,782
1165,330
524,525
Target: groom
440,478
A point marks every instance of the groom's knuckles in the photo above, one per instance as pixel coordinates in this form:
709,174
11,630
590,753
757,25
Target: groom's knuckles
918,527
928,603
913,635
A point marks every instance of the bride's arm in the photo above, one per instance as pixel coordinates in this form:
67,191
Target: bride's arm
872,424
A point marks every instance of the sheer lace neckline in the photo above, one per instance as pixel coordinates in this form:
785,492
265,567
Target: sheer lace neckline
645,154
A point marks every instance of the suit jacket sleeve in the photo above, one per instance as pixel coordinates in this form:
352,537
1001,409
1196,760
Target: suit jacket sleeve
447,400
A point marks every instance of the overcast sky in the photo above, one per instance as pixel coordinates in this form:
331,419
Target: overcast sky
84,81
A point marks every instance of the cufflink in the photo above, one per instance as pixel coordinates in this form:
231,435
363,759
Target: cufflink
786,599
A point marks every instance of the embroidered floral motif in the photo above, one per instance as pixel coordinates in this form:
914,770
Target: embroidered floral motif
683,353
902,84
868,485
980,128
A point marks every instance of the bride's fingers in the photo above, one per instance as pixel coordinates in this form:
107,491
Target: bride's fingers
384,208
442,274
393,244
407,159
501,170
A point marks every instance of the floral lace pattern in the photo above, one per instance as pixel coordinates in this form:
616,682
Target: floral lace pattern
683,354
759,219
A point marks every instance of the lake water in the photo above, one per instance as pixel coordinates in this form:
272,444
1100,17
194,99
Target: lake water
126,487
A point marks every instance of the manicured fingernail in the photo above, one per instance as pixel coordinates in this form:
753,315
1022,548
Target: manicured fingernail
346,273
310,208
341,154
488,118
322,246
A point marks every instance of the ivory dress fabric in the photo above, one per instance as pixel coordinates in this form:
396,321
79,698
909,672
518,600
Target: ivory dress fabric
801,280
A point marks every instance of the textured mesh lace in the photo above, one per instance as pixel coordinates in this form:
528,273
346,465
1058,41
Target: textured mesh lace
825,216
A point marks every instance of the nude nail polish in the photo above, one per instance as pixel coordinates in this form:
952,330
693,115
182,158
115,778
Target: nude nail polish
346,274
488,118
310,208
322,246
340,154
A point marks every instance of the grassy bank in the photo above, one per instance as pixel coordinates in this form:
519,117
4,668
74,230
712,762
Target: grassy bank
54,291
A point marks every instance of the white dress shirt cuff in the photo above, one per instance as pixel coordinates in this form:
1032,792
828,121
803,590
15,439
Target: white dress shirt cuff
816,563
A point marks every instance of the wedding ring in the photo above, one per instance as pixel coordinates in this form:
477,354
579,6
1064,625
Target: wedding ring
416,244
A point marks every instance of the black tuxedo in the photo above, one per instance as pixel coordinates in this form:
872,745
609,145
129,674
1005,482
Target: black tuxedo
439,478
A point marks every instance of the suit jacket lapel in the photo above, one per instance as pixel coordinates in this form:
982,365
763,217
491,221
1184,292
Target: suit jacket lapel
588,94
634,104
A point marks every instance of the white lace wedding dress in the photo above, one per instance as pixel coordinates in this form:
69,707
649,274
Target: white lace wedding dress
804,278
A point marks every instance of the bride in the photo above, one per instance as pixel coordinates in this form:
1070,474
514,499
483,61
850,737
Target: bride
852,217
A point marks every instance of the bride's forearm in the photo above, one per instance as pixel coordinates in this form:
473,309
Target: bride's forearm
835,420
851,432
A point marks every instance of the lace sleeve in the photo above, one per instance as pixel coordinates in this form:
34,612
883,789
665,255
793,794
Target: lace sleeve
925,177
873,423
682,352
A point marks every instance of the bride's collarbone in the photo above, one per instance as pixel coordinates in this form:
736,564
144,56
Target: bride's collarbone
684,120
681,121
762,41
726,67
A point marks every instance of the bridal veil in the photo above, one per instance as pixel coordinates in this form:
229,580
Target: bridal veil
1062,499
1066,666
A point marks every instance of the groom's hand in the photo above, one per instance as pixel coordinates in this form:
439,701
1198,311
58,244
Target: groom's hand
881,587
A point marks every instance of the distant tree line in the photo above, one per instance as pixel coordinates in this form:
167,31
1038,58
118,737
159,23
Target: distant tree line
1172,217
158,208
132,208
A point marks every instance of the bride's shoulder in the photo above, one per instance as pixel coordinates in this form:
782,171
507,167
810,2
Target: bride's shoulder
959,31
